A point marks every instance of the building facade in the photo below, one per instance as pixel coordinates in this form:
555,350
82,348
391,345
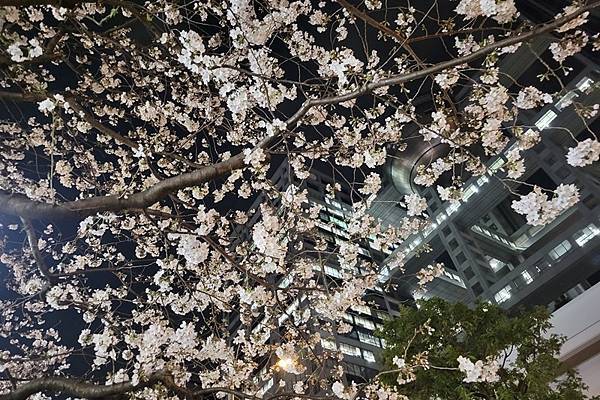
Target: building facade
490,250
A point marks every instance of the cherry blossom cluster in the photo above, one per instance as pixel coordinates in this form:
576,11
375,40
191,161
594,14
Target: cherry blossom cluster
539,209
585,153
479,371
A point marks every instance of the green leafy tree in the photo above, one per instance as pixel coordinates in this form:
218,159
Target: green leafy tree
440,332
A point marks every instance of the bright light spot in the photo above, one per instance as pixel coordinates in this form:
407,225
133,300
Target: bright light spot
285,363
418,295
496,264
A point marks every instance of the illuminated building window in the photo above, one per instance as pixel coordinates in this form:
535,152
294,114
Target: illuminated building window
566,100
469,191
291,308
350,350
332,272
368,356
527,277
365,323
369,339
585,84
586,234
560,250
495,264
266,386
503,295
497,164
361,309
546,119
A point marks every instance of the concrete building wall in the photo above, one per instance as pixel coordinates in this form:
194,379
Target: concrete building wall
579,321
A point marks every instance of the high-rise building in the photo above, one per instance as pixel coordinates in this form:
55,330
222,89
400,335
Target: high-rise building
490,250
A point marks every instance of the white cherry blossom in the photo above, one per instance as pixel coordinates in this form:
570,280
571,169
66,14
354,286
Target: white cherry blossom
585,153
415,204
539,209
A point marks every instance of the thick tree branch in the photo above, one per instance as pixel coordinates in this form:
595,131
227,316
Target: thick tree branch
19,205
22,97
455,62
35,250
76,388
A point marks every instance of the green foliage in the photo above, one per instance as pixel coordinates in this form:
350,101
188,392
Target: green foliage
112,14
527,354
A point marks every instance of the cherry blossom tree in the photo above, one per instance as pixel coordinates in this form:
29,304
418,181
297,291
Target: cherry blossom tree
136,134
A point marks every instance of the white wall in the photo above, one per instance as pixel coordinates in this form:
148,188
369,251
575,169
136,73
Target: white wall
579,321
590,372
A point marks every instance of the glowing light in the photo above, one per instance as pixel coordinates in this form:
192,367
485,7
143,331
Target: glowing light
285,363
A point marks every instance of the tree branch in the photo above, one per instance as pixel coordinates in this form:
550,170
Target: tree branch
35,250
89,118
19,205
372,21
33,97
47,56
43,59
398,36
77,388
422,73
